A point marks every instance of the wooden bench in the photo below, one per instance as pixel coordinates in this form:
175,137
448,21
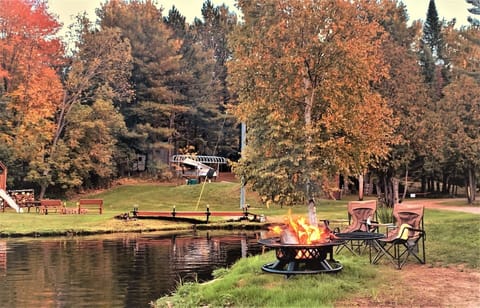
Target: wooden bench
47,204
30,204
85,204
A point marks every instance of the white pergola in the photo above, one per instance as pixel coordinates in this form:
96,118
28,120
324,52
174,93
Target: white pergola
200,158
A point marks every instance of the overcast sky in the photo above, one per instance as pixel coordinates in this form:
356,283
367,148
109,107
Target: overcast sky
417,9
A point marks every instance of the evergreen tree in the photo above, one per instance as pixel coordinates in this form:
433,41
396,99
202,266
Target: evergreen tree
436,69
406,96
200,128
157,72
475,10
432,31
212,32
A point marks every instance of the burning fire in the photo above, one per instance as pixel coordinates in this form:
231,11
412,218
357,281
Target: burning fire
299,231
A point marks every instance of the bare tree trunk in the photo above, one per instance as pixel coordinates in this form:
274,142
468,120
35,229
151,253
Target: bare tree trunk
43,189
386,191
405,188
360,187
379,190
395,184
470,185
170,138
308,133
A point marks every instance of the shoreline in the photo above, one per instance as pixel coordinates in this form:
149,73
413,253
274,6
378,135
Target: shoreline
251,226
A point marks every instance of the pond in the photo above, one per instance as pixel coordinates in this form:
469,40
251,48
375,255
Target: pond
121,270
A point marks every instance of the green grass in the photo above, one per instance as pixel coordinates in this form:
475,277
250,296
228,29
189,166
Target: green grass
220,196
460,202
453,239
245,285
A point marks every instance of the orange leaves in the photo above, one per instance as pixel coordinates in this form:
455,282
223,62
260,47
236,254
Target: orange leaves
27,37
28,55
313,62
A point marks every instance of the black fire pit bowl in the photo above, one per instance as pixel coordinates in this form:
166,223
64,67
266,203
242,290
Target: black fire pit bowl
294,259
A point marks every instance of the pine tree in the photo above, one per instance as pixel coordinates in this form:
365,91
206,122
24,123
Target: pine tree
199,128
432,31
157,72
475,10
212,32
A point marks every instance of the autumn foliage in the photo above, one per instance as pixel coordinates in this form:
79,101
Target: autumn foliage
304,73
30,56
326,88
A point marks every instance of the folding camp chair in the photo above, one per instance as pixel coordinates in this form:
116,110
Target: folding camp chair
406,239
362,216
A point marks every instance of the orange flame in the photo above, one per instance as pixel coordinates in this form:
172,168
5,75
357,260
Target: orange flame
304,232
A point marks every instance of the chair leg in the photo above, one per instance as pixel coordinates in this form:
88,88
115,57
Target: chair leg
347,246
393,253
384,251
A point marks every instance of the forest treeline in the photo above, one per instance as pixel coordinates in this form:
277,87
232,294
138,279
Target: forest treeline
324,87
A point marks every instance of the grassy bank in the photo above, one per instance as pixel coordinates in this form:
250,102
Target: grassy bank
453,239
222,196
245,285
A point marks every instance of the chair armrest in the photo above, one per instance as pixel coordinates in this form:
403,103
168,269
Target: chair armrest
389,227
421,231
372,226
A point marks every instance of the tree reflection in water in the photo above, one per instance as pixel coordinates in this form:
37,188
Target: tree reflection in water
113,270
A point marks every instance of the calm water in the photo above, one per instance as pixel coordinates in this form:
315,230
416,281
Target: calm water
128,270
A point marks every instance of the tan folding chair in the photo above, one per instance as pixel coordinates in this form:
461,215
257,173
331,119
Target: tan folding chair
360,213
362,216
406,239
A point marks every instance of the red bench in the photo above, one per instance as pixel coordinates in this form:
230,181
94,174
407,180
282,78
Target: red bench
47,205
85,204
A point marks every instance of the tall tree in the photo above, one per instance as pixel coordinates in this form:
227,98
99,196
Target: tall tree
157,70
99,67
212,32
303,72
461,105
405,94
432,31
30,88
200,128
475,10
436,69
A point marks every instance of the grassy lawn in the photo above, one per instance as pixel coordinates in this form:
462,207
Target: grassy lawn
460,202
452,239
220,196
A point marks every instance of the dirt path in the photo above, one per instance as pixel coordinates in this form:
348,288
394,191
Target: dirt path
424,286
439,204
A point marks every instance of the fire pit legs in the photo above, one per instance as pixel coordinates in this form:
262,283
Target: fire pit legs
299,267
302,259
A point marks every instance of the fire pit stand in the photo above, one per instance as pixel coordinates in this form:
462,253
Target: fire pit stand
293,259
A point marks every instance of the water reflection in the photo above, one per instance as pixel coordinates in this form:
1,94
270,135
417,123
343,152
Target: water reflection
127,270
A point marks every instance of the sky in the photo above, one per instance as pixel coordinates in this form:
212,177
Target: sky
417,9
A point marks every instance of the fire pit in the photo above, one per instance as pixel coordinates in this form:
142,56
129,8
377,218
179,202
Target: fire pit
293,259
